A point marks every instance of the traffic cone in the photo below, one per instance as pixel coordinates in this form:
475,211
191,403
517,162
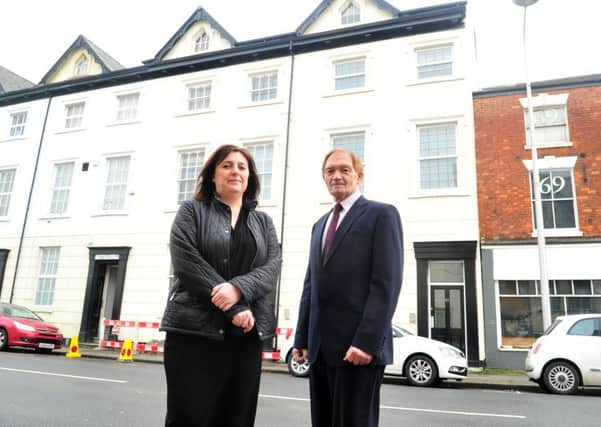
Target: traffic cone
126,354
73,348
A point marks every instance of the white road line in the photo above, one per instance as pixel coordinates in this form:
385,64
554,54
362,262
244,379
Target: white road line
397,408
27,371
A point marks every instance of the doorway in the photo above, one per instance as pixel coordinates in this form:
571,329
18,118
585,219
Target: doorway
3,257
446,321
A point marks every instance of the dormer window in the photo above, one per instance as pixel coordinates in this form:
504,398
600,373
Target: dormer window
350,14
201,43
81,67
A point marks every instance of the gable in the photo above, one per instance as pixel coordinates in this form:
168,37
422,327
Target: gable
10,81
82,59
184,41
328,15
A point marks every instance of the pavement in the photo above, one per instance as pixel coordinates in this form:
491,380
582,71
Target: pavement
475,378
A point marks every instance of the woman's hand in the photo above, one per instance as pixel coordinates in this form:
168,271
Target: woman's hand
244,320
225,295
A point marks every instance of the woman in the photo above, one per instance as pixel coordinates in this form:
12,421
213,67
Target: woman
226,260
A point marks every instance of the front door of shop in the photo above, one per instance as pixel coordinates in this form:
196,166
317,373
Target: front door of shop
447,314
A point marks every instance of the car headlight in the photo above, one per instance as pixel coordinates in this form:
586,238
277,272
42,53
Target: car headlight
451,352
24,327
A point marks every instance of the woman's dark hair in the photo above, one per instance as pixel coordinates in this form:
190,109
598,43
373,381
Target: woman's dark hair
205,187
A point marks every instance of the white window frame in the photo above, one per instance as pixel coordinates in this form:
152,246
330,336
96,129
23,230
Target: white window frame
201,151
263,89
201,42
421,158
202,102
450,61
82,66
350,13
17,124
108,185
60,188
540,103
48,273
6,193
263,174
74,115
127,107
550,163
341,77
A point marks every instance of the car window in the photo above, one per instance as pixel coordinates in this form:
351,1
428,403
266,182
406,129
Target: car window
22,312
585,327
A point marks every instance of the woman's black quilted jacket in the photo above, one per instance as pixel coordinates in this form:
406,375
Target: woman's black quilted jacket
200,247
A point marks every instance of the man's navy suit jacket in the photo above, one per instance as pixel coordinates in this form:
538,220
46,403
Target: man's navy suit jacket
350,296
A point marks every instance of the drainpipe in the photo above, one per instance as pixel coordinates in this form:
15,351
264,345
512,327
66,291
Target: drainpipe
277,296
35,172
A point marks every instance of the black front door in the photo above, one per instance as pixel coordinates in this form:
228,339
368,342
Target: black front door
446,315
3,257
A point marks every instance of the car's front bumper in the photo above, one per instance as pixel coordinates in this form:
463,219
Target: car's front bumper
36,340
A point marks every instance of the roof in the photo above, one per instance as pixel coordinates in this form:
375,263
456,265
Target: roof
106,62
445,17
555,84
10,81
199,14
321,7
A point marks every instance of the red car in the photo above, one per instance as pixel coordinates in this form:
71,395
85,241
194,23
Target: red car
21,327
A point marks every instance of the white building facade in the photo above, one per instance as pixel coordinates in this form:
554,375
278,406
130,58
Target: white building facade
120,148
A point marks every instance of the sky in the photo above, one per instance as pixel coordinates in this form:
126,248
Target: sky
35,33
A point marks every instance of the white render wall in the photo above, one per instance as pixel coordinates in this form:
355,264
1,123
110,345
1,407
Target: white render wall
388,109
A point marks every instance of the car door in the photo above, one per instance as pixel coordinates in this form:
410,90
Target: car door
584,338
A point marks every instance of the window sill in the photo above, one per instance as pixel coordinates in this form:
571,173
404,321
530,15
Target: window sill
345,92
110,213
440,192
560,232
260,103
266,204
507,349
14,138
4,219
69,130
44,309
50,217
195,113
419,82
129,122
549,145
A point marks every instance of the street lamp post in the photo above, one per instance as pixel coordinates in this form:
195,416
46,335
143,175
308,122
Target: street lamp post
538,205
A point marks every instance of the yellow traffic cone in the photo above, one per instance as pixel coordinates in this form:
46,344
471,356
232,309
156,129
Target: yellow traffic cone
126,354
73,348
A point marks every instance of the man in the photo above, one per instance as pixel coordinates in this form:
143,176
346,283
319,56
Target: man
349,296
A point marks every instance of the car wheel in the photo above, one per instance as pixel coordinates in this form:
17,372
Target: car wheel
297,369
421,371
561,377
3,339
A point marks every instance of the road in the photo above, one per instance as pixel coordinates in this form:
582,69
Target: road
52,391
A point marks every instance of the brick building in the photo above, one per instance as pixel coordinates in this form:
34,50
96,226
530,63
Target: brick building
568,133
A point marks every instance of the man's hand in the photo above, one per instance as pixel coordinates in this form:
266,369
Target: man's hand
225,295
357,357
244,320
301,355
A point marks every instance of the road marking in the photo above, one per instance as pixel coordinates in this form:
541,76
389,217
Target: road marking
27,371
398,408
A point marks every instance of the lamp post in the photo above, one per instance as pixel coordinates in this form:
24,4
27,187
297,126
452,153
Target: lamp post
538,205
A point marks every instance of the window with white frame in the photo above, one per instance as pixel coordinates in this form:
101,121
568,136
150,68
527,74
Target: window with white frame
201,42
550,125
7,180
127,107
74,115
61,187
350,14
354,142
47,278
263,155
520,305
17,124
81,67
434,62
115,188
264,87
199,96
349,74
558,198
190,164
437,155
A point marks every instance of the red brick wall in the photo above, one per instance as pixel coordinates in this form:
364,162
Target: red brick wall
503,193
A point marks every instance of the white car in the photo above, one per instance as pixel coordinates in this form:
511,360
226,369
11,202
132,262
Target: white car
422,361
567,355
